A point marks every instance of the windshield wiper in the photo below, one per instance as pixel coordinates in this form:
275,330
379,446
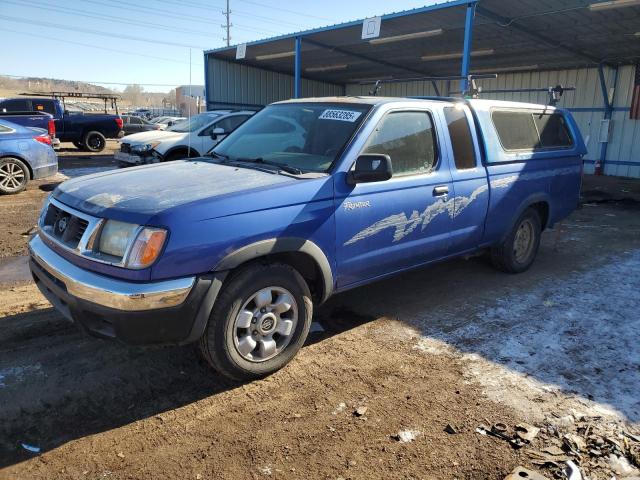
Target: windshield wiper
282,166
224,158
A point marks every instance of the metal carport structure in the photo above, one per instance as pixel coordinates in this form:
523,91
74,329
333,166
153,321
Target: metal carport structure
531,44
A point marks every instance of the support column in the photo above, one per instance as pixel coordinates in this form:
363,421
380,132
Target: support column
608,113
297,77
468,40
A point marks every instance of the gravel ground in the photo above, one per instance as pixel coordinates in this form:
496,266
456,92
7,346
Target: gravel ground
457,344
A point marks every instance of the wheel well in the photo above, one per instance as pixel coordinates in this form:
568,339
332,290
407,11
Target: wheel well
189,153
23,161
303,263
543,210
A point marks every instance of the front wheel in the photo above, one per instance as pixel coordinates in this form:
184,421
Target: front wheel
259,322
14,175
519,249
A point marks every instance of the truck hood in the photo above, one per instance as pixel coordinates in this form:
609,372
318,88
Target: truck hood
137,194
152,136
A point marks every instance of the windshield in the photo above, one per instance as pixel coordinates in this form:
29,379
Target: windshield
192,124
308,137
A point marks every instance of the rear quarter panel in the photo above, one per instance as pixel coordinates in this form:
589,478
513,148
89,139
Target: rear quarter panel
519,179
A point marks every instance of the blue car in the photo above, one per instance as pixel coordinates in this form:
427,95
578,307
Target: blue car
305,199
25,154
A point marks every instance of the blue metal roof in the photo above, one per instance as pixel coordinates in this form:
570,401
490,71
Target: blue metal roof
354,23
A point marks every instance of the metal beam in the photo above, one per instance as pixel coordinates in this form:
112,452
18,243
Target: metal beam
297,75
367,58
512,23
608,113
468,40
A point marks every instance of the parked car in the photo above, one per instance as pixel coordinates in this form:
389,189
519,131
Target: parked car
136,125
41,120
170,122
234,250
25,154
87,132
190,138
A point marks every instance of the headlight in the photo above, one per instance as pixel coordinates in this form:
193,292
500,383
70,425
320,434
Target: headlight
144,147
143,244
116,237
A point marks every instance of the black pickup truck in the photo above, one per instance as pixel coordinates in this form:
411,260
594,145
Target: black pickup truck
87,132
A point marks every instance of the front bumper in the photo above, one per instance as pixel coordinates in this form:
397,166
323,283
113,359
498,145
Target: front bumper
137,313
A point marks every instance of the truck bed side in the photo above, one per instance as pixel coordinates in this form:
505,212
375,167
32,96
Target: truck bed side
546,178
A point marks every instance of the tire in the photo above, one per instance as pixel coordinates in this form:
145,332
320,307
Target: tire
79,145
227,346
179,155
94,141
519,249
14,175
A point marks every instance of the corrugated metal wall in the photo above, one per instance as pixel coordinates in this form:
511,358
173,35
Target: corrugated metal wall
232,83
586,104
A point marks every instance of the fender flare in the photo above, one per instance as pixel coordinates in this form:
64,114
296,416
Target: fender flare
526,203
282,245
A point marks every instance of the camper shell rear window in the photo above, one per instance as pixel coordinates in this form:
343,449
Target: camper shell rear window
531,130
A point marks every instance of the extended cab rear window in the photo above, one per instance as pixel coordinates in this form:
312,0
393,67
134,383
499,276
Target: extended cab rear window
531,130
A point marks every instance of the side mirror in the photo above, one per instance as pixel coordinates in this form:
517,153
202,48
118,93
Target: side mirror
170,124
369,168
217,132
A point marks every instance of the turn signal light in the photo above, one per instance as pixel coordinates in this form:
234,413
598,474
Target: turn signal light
147,247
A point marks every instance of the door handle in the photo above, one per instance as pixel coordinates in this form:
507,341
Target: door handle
440,191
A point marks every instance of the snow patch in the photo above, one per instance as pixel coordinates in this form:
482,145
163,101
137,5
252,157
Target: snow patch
571,342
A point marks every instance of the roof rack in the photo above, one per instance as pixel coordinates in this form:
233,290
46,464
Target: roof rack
113,98
471,90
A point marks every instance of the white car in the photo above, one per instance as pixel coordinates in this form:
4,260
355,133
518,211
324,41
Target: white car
167,122
190,138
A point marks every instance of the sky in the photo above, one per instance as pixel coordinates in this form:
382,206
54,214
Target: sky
149,42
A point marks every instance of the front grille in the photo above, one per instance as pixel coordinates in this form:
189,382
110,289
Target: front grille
125,148
63,226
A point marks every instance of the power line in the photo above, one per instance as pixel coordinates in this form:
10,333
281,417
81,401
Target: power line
273,20
108,18
288,11
95,32
95,46
97,81
191,18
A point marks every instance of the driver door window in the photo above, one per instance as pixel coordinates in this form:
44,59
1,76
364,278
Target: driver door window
409,139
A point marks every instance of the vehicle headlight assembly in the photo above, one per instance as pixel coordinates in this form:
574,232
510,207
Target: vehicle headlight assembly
145,147
137,246
116,237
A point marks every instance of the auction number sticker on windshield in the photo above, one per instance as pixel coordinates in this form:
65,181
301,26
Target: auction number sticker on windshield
342,115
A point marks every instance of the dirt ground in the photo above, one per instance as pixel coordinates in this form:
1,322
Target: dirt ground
456,344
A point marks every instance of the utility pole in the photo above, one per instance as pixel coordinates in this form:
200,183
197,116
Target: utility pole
228,26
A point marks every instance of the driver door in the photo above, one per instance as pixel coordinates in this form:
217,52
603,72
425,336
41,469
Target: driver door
387,226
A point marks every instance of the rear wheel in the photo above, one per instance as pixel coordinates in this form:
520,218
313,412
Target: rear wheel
94,141
519,249
14,175
259,322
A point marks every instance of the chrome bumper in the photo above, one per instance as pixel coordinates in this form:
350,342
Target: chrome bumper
106,291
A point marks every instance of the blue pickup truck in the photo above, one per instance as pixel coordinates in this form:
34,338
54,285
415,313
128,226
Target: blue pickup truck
307,198
87,132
